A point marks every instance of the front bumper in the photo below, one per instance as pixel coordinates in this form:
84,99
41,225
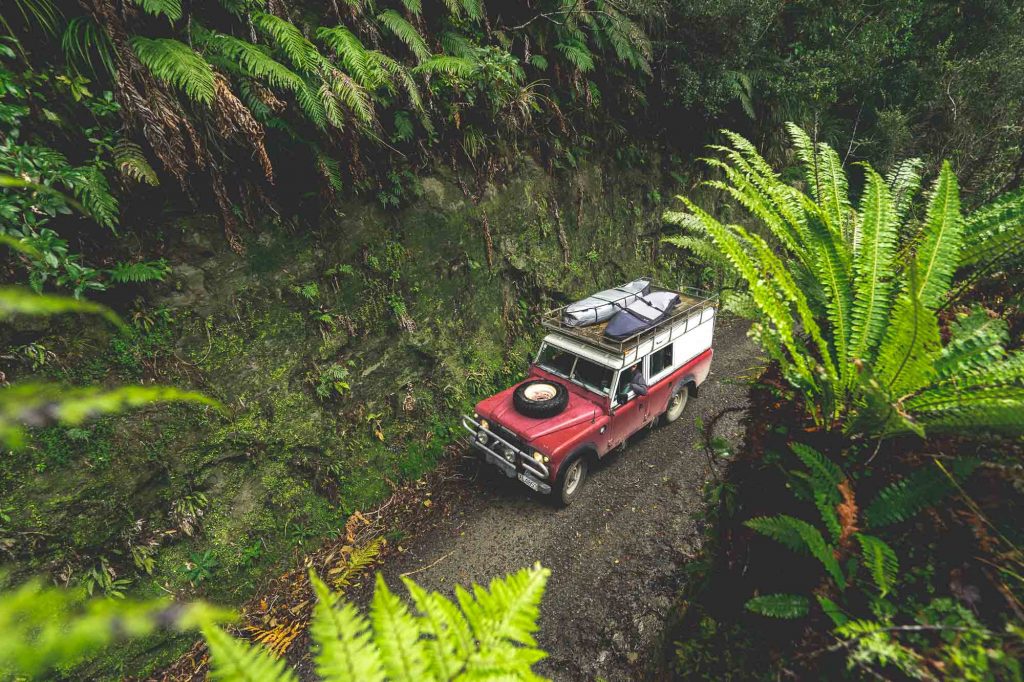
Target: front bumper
513,461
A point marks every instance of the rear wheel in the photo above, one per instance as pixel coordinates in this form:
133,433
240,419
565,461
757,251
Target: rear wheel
570,480
677,403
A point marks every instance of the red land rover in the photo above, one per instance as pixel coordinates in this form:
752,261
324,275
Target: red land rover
585,394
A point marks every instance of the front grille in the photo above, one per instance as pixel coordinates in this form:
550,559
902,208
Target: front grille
512,438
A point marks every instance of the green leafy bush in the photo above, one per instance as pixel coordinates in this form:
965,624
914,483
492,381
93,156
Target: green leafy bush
849,308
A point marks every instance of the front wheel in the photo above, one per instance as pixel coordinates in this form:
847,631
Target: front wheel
571,481
676,404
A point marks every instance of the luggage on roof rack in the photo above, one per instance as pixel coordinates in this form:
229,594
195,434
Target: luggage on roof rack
642,314
602,305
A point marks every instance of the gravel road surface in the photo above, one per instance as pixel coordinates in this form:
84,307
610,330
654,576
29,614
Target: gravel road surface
616,553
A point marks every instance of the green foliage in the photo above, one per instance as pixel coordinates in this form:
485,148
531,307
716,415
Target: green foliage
17,301
880,560
178,64
167,8
903,498
143,271
406,32
488,633
130,160
868,352
800,536
779,605
83,41
48,627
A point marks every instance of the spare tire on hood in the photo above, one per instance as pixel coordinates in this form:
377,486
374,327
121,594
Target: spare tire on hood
540,398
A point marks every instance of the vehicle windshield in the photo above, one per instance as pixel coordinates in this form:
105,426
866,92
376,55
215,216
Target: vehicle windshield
588,374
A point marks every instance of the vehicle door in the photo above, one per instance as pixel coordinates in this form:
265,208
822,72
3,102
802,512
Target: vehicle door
660,365
628,411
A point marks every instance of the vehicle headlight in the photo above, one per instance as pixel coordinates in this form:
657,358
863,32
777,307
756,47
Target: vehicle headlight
484,424
481,437
537,457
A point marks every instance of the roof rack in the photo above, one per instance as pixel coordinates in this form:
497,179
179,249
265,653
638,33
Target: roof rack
691,300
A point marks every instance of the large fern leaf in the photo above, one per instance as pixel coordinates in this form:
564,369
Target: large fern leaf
167,8
939,251
131,161
873,266
907,354
800,536
289,39
397,636
343,644
880,560
904,498
779,605
995,232
234,661
406,32
976,340
178,64
904,181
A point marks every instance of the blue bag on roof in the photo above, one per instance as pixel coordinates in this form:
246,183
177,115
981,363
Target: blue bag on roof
643,313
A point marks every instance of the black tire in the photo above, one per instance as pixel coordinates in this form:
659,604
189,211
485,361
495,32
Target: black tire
568,486
676,404
541,408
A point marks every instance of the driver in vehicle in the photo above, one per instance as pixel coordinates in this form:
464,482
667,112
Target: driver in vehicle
636,383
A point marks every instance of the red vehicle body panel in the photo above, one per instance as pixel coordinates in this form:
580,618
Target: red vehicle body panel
588,422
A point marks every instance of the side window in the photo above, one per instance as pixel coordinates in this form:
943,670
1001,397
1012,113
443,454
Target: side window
623,393
661,360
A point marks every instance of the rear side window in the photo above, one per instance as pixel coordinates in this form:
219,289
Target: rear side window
661,360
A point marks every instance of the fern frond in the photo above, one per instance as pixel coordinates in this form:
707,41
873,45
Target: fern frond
415,7
289,39
824,472
835,189
787,606
447,636
874,268
939,251
131,161
459,67
343,646
177,64
904,498
800,536
81,39
143,271
880,560
994,232
397,635
251,60
832,610
90,187
982,409
907,354
406,32
904,181
348,48
976,340
167,8
235,661
577,54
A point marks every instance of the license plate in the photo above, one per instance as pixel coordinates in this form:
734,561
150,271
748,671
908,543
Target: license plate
529,482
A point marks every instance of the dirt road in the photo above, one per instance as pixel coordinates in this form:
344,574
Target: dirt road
615,554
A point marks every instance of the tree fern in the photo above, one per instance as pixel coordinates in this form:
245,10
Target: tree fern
577,54
289,39
167,8
779,605
450,66
880,560
177,64
406,32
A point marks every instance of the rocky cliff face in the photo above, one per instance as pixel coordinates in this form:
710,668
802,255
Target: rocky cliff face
342,353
